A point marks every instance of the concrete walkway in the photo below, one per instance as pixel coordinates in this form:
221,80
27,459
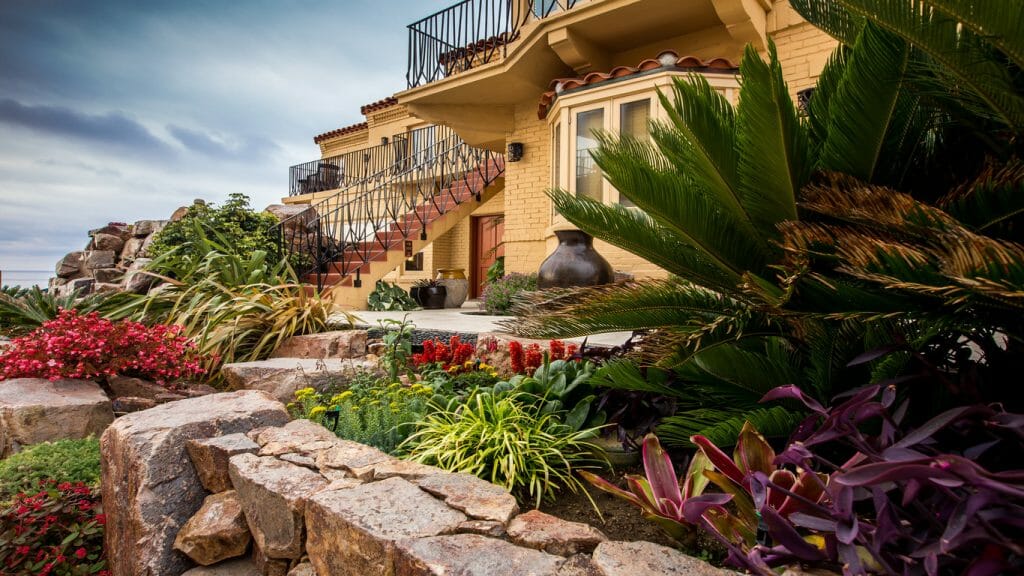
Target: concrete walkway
468,319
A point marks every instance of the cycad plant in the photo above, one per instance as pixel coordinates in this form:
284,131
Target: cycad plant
887,216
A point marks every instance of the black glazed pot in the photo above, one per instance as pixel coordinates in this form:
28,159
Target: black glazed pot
414,293
574,263
432,297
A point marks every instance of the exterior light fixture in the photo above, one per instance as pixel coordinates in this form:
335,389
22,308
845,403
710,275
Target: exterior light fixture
515,151
383,140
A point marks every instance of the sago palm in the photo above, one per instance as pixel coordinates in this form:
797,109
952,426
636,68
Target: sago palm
799,243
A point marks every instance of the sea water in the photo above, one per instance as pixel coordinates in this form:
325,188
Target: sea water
25,278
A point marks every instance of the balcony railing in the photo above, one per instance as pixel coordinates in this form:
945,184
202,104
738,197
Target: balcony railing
471,33
338,171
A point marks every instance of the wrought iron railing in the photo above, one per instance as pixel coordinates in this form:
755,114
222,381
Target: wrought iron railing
335,237
471,33
338,171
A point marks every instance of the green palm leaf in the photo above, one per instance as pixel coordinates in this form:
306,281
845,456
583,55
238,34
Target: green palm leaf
863,105
772,143
999,23
722,426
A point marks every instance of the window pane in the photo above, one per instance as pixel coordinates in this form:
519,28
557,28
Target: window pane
588,175
556,165
633,117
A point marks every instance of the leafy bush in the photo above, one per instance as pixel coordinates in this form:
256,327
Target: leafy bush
507,442
369,411
61,461
235,308
387,296
85,346
241,229
58,530
498,295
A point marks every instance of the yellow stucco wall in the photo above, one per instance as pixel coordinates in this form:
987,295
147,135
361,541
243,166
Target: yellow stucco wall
803,49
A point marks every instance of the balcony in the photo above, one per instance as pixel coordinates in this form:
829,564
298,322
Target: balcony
471,33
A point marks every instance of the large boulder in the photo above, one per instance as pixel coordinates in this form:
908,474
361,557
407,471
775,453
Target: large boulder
335,344
471,555
273,495
100,259
136,279
649,559
354,531
34,410
112,242
281,377
71,266
150,488
216,532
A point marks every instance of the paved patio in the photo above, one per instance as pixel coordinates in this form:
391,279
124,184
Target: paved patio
468,319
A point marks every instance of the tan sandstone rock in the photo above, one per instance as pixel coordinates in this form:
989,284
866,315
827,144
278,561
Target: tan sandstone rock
478,498
649,559
273,495
240,567
216,532
352,459
541,531
354,531
470,555
335,344
137,387
34,410
150,488
296,437
281,377
210,456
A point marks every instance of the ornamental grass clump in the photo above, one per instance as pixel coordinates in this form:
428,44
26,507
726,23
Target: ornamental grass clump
506,442
87,347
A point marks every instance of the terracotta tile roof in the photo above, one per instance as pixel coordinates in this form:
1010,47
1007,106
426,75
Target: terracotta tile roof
340,132
668,60
379,105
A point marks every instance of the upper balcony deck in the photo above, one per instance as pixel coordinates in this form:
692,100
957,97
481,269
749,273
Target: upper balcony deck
470,33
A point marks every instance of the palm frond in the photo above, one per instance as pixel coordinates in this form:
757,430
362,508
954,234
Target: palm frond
674,201
773,146
722,426
950,40
637,232
862,108
999,23
831,17
992,202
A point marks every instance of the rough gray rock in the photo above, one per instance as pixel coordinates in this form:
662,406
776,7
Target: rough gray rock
353,531
147,227
541,531
216,532
112,242
100,259
240,567
353,459
150,487
136,280
108,275
210,457
470,555
649,559
127,386
71,266
296,437
273,495
34,410
283,376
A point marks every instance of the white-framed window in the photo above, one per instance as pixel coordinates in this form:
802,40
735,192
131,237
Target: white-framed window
624,108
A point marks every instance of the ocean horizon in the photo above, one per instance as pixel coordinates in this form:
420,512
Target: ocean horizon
25,278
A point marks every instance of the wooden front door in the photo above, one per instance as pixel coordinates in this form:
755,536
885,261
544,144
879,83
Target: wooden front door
487,234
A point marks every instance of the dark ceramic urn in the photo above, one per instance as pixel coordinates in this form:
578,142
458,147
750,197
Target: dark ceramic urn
574,263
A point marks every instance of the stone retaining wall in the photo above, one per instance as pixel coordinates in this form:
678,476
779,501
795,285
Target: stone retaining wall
222,481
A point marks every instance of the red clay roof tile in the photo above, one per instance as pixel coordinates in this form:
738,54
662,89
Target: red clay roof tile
667,59
379,105
340,132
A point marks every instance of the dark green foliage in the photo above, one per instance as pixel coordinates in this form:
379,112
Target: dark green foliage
239,229
63,461
499,295
387,296
23,310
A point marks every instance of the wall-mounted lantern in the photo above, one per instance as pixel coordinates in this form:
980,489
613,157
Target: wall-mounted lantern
515,151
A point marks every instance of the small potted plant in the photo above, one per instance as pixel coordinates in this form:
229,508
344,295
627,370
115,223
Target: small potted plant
429,293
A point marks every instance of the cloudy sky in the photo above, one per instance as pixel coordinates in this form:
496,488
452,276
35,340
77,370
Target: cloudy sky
119,110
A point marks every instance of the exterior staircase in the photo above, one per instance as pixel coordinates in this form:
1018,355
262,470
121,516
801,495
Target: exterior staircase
343,244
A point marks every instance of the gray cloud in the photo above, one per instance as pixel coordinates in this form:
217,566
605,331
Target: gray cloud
113,128
249,149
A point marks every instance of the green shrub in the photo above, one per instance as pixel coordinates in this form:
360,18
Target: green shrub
370,411
506,442
241,230
63,461
498,295
387,296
